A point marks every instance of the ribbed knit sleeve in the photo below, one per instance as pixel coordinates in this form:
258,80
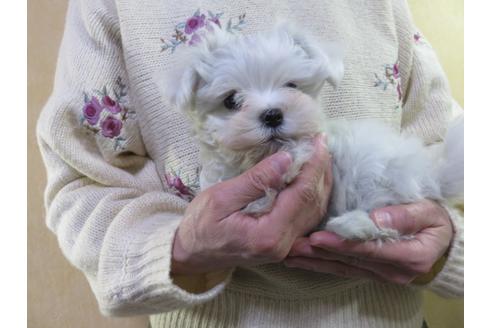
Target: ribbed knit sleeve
449,282
428,107
105,201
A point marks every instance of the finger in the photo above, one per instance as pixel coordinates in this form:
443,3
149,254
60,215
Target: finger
403,252
388,272
305,190
330,267
317,165
409,219
251,185
301,246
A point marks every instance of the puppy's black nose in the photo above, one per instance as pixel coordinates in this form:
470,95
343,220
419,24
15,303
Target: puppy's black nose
272,117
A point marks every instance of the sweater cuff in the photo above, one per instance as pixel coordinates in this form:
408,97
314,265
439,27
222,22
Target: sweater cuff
145,283
449,282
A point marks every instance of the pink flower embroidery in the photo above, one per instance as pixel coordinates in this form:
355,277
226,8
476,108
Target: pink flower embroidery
396,71
190,31
391,78
92,111
194,23
111,127
111,105
106,115
175,183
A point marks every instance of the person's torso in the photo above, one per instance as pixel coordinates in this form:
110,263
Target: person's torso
154,33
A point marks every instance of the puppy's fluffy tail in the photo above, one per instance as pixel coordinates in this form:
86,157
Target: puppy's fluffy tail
451,171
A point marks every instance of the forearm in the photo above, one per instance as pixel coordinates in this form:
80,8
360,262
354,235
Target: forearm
448,280
105,199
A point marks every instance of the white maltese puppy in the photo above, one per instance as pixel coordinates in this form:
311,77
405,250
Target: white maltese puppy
251,96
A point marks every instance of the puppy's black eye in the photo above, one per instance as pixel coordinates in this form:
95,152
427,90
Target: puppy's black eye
230,103
291,85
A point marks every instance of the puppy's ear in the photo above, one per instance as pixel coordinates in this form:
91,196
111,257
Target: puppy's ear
181,84
329,55
334,63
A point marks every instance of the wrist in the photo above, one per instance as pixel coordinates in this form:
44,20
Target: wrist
447,230
436,268
180,257
449,281
189,277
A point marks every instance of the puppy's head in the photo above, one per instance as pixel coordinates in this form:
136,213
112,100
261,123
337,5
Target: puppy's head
255,92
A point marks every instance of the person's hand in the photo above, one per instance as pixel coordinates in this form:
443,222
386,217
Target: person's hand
399,262
214,234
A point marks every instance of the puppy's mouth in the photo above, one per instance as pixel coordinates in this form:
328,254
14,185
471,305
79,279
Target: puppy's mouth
274,142
275,138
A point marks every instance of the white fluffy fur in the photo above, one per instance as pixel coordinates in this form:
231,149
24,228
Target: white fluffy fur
372,165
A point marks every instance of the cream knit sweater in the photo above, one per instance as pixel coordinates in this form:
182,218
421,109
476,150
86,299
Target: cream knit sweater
122,166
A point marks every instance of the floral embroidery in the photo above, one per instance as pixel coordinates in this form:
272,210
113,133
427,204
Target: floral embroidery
106,115
186,191
111,127
92,110
391,78
418,38
191,31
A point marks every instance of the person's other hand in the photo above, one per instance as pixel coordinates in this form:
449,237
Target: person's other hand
214,234
399,262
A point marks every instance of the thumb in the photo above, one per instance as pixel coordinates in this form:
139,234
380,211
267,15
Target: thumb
252,184
409,218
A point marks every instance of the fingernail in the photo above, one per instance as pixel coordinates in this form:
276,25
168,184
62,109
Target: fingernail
315,241
324,239
283,160
383,219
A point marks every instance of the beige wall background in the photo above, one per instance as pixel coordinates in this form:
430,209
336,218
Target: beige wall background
58,295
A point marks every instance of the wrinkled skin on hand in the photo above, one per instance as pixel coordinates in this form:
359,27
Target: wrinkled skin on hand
215,234
399,262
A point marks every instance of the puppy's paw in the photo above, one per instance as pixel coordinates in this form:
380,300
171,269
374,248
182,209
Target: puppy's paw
300,155
262,205
357,225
